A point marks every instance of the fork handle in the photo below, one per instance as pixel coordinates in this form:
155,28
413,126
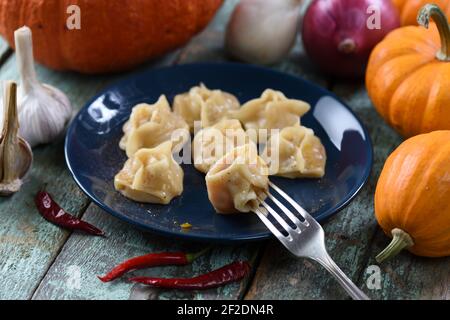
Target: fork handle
343,280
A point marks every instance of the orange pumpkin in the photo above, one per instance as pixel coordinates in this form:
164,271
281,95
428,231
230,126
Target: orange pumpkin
412,198
409,9
408,76
114,35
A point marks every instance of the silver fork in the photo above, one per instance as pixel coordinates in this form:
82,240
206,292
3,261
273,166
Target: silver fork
307,240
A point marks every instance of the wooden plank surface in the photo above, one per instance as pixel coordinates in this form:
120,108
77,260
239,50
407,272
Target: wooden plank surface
95,256
28,244
59,265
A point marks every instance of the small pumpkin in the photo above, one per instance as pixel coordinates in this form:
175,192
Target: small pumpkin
114,35
412,197
408,9
408,75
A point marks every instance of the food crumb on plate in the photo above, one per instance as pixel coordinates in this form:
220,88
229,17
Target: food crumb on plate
186,225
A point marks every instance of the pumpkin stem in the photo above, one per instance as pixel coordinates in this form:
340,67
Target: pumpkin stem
432,11
25,60
400,241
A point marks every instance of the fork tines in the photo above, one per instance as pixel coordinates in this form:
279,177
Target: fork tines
265,211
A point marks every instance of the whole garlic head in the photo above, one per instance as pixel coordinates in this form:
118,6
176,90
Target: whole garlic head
43,110
43,114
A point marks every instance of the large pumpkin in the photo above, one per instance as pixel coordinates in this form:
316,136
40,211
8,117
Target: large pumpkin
412,198
114,35
408,76
409,9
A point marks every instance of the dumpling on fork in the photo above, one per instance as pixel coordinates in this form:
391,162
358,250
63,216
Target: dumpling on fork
151,176
205,105
238,182
273,110
211,144
295,152
151,125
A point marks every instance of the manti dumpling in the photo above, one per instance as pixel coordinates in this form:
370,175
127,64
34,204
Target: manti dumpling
211,144
151,125
205,105
151,176
295,152
239,181
271,111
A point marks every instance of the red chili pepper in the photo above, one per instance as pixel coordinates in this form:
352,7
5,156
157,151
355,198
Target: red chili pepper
152,260
52,212
227,274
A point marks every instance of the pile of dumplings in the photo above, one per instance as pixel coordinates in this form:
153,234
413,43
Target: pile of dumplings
225,147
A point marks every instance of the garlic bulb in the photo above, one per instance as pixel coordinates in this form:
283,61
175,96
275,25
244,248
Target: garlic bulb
43,110
263,31
15,153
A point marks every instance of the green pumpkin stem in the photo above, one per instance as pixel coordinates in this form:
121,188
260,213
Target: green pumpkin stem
400,241
433,12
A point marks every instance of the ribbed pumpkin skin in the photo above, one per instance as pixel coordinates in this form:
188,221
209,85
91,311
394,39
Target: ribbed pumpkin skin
413,193
407,84
114,36
410,8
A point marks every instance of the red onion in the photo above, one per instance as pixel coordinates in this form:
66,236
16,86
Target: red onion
337,36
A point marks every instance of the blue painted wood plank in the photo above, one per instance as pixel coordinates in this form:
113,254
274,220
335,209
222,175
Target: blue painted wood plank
84,258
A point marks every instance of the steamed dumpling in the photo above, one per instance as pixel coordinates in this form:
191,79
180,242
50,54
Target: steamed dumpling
151,125
295,153
211,144
205,105
238,182
271,111
151,176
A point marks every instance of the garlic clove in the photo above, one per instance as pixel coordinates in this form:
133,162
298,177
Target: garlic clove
15,153
263,31
44,110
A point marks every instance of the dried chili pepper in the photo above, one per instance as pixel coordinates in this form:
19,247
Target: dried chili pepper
53,213
227,274
152,260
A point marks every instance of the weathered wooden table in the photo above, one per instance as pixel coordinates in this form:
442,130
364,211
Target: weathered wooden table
41,261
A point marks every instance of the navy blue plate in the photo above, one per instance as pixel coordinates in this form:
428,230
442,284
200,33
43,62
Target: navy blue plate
93,155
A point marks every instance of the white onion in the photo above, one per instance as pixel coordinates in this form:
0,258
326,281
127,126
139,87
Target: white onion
263,31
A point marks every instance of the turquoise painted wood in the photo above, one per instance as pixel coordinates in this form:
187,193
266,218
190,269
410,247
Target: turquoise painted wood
40,261
89,257
28,245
